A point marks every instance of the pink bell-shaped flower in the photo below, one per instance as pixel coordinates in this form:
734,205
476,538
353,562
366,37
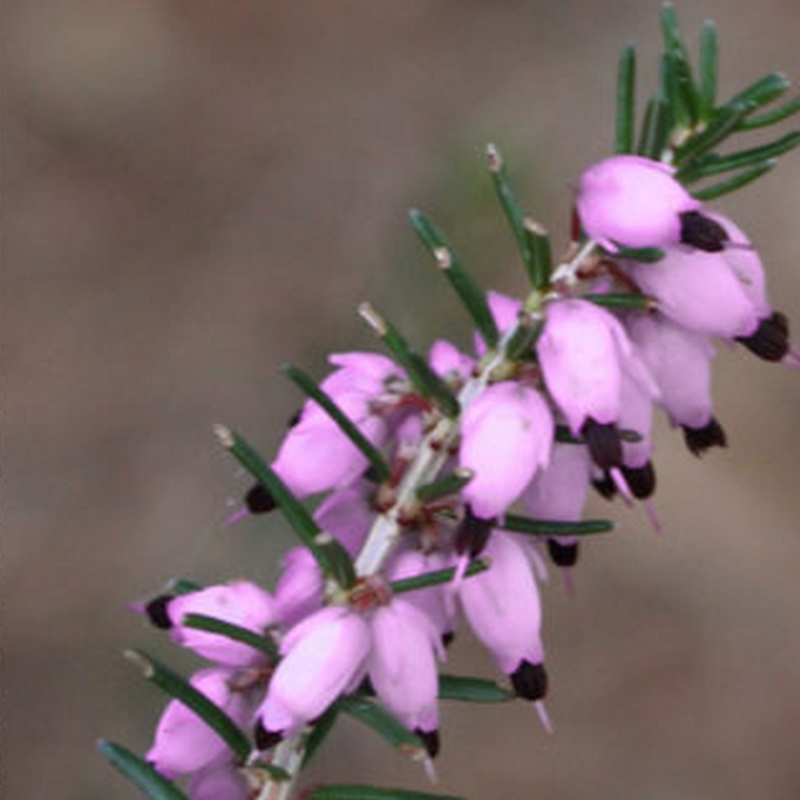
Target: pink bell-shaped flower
183,742
323,657
699,291
632,201
503,608
316,455
240,603
582,351
680,362
506,436
745,263
402,664
559,493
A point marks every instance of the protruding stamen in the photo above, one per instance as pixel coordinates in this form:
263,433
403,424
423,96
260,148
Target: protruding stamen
544,717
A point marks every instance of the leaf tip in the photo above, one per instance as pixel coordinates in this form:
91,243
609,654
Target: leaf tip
493,157
224,436
138,659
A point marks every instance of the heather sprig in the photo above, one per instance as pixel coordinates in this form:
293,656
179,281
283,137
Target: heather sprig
448,479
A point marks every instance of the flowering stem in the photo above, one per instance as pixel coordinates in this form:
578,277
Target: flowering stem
433,450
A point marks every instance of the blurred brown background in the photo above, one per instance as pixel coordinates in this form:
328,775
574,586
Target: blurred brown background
198,191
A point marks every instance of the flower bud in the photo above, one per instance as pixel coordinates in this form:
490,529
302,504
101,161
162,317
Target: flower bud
324,657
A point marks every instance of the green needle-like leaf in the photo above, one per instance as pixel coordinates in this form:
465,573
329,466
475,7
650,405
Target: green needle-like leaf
626,100
447,485
760,93
670,30
182,586
139,772
614,300
333,559
678,89
322,727
353,791
425,380
472,690
473,297
656,128
386,725
714,164
347,426
644,255
778,114
531,238
679,84
542,527
180,689
202,622
541,254
436,577
736,182
709,60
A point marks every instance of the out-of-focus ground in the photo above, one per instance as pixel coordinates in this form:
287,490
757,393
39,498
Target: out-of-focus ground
197,192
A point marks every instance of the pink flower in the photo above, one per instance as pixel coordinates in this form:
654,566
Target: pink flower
582,351
503,608
699,291
183,742
680,362
745,263
240,603
559,493
324,656
632,201
506,436
402,664
316,455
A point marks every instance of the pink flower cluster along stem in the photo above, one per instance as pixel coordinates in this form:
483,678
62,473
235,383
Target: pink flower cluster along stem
448,483
536,429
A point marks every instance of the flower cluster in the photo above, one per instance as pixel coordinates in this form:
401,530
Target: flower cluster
538,425
444,482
